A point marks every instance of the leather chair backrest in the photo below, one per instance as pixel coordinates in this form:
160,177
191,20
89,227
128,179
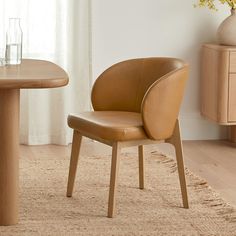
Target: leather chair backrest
161,104
130,85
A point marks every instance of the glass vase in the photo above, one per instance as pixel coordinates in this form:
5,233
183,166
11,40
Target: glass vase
226,32
14,35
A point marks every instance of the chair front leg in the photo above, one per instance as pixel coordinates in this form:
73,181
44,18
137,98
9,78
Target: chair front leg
176,141
141,166
113,178
76,143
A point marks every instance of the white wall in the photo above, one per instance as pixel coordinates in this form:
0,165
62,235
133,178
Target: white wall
123,29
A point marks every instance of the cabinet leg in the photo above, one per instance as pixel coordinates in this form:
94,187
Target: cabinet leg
232,134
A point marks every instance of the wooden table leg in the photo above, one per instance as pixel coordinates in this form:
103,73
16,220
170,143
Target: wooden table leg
9,155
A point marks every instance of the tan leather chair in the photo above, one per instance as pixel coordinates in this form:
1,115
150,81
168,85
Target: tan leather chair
136,102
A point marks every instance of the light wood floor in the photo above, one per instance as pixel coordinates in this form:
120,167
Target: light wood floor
214,161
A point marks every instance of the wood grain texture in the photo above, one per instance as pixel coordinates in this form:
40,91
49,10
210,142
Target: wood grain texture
218,85
232,64
76,143
232,134
220,47
176,141
29,74
232,98
115,162
214,161
214,84
223,88
141,166
32,74
9,156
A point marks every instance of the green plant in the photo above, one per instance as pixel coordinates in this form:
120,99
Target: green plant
211,3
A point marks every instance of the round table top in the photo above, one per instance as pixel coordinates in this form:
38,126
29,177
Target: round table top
32,74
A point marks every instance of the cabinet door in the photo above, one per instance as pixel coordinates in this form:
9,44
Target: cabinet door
232,98
232,65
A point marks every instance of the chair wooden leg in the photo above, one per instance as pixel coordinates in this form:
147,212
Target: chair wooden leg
176,141
141,166
76,143
113,178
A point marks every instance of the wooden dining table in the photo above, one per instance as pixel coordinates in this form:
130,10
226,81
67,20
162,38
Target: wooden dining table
30,74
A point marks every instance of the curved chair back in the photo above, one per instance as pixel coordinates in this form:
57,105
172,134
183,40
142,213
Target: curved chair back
151,90
123,86
153,86
161,104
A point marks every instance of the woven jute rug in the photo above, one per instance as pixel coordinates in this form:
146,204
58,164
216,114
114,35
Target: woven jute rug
157,210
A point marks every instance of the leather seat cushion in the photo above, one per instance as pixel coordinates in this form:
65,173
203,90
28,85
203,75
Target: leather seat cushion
109,125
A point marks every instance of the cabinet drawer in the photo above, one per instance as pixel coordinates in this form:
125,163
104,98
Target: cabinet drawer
232,98
232,66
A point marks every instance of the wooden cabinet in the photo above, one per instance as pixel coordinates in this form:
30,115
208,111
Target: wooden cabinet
218,85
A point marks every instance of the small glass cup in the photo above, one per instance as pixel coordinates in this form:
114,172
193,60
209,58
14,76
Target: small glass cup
2,57
14,42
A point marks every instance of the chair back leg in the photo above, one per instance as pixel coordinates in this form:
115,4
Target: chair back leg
76,143
176,141
141,166
115,162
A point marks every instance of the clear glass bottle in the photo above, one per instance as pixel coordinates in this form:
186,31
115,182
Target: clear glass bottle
14,35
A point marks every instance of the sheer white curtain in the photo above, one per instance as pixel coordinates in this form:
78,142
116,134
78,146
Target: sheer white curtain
58,31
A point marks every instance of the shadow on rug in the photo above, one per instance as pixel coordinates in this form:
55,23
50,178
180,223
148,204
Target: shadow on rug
156,210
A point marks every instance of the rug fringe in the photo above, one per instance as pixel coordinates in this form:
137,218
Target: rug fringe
211,198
